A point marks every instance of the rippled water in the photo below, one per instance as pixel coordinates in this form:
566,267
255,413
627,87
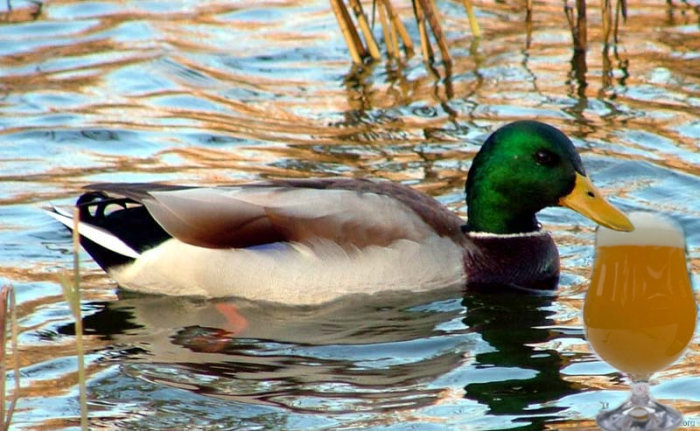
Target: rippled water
213,91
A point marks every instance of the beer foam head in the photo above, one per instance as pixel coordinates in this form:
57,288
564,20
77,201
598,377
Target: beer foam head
649,229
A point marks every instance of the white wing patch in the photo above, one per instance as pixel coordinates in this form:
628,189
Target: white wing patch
94,233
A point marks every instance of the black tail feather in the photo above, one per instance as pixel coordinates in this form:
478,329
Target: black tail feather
124,218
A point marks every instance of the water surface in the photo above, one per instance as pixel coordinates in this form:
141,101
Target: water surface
211,92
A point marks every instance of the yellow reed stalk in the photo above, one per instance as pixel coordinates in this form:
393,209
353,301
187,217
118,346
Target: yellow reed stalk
389,35
352,39
425,47
400,28
364,27
474,24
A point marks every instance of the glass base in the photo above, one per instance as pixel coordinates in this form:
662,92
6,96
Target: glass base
640,413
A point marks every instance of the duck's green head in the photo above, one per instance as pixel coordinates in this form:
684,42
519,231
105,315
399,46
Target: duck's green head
524,167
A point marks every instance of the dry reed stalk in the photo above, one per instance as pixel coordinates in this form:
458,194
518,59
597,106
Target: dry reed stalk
620,10
364,27
352,39
426,49
473,23
71,291
389,33
7,301
399,27
606,18
431,15
577,24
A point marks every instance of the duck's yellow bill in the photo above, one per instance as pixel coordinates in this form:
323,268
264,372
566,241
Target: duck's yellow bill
585,199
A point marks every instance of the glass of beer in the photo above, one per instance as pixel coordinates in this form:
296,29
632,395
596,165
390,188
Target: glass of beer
640,313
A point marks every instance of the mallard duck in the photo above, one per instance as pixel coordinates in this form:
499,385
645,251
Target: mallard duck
306,241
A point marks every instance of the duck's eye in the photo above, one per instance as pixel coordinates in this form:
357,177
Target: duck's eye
546,158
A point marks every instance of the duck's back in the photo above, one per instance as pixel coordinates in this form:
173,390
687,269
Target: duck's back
294,241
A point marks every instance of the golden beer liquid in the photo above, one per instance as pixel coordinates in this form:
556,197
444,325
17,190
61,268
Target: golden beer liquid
640,311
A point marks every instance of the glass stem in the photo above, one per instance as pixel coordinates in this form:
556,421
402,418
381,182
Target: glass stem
640,400
640,392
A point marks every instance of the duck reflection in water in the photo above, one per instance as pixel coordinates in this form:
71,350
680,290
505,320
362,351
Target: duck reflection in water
369,354
512,323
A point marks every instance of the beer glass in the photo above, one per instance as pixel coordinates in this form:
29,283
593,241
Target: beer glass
640,313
